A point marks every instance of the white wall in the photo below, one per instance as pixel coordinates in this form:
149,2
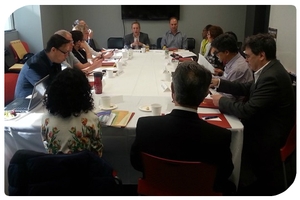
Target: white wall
283,18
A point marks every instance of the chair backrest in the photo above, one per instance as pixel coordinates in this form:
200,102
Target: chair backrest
191,44
115,43
290,144
172,177
82,173
10,81
19,48
158,43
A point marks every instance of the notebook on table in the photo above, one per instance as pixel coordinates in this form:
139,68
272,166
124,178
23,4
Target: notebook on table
21,105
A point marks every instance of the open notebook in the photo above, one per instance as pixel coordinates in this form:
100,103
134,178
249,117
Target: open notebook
27,104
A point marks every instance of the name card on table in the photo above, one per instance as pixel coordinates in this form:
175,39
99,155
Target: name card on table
165,87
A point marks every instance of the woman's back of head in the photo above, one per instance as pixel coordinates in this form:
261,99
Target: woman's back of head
69,94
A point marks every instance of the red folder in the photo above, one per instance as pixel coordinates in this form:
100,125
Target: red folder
223,123
207,103
108,64
185,59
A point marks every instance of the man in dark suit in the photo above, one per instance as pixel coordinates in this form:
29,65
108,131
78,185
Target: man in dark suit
267,116
136,39
182,135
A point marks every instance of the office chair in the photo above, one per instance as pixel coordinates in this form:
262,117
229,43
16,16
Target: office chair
10,81
172,177
191,44
287,150
82,173
158,43
115,43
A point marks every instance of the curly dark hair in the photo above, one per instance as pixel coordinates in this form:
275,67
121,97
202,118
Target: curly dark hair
69,94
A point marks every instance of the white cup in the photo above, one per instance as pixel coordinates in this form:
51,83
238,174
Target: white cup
110,73
105,101
125,54
156,109
143,50
167,76
119,65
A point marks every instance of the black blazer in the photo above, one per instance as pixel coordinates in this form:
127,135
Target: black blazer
267,116
144,38
182,135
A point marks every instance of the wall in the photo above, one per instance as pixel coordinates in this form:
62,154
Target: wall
29,26
106,21
283,18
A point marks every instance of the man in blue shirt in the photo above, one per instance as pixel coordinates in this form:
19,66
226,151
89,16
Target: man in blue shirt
47,61
174,38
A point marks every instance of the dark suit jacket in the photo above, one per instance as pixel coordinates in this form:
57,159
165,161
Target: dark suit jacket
267,116
83,173
182,135
144,38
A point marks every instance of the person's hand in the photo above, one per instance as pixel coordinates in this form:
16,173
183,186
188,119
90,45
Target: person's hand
218,72
214,82
107,54
84,46
216,99
97,62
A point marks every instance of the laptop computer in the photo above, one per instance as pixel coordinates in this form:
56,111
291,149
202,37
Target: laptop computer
21,105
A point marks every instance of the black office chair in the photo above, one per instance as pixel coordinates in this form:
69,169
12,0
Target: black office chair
115,43
158,43
191,44
83,173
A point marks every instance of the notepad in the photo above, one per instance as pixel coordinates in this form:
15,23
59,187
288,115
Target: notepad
122,118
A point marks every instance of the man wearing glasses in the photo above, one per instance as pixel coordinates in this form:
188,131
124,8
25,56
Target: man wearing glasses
46,62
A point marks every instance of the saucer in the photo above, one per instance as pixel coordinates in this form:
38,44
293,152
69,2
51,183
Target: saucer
112,106
10,117
145,108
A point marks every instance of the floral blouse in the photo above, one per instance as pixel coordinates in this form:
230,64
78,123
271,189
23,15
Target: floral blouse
72,134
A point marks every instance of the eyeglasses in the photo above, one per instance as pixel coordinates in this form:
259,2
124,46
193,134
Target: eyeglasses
217,52
64,52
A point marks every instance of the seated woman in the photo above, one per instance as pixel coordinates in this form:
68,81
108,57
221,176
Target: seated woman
212,33
85,30
79,49
70,125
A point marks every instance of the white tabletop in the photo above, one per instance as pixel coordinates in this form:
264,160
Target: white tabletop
140,84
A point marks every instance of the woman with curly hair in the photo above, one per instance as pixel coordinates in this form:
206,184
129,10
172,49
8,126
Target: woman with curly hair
70,125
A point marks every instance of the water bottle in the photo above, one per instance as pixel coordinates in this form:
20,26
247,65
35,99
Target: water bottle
98,82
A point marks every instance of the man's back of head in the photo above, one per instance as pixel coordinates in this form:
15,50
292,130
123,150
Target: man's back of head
190,84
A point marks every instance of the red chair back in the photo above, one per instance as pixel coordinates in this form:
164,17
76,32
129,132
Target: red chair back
290,145
10,81
176,178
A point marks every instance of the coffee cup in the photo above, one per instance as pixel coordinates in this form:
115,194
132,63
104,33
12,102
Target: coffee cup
105,101
110,73
156,109
143,49
119,65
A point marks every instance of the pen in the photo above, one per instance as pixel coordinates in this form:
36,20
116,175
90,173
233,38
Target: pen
210,117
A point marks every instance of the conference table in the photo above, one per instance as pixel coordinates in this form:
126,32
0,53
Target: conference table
140,83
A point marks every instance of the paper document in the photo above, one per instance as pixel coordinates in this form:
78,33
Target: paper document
202,61
185,54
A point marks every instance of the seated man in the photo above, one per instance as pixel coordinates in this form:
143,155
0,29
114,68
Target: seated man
174,38
236,67
72,61
46,62
182,135
136,39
